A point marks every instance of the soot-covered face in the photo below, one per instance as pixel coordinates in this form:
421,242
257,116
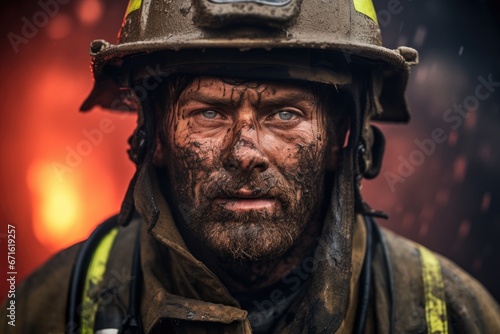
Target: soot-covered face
245,164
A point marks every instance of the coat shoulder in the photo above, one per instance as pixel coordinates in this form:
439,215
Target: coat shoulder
41,298
470,307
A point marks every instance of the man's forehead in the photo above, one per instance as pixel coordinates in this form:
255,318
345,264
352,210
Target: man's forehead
235,87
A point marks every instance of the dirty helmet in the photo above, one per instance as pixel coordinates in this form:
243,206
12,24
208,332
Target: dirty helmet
306,37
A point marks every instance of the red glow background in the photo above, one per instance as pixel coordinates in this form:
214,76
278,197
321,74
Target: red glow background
57,184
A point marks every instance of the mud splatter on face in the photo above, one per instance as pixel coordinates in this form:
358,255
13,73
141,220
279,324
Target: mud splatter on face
246,163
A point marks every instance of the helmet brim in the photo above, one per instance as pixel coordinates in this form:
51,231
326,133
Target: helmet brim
393,66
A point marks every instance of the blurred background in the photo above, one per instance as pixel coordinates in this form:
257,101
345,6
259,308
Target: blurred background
63,172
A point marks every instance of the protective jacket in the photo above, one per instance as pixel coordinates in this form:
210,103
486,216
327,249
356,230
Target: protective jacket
180,295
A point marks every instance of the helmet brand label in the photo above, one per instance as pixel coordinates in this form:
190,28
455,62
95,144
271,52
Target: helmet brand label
263,2
221,13
133,5
366,7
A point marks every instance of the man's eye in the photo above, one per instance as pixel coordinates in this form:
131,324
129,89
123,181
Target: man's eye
285,115
209,114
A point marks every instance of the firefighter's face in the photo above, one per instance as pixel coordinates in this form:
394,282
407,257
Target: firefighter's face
246,164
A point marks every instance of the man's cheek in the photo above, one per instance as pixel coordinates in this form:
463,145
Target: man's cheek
194,164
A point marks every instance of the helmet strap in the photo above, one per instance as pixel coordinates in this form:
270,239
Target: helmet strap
361,146
142,147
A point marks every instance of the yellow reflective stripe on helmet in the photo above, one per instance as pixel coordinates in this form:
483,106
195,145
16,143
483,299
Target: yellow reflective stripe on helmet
435,304
95,273
366,7
132,6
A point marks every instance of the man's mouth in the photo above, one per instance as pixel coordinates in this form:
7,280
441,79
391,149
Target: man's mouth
244,204
244,200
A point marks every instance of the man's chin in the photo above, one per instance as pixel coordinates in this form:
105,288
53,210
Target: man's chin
248,242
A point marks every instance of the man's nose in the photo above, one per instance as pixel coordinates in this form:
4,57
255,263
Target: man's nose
245,152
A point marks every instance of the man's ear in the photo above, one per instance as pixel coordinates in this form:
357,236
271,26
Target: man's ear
159,157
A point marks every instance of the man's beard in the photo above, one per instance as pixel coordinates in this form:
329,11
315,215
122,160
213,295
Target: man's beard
251,235
244,236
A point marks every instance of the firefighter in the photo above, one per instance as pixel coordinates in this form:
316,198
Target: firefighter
245,213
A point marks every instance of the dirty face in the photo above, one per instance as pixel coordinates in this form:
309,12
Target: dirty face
245,164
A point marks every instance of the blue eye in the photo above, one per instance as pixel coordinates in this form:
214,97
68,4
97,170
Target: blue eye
285,115
209,114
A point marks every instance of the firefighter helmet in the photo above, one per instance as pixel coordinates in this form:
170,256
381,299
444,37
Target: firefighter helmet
322,34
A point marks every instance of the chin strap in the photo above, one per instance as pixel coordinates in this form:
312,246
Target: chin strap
142,146
366,141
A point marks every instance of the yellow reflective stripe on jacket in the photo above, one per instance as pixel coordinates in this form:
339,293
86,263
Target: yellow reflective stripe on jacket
133,5
435,304
95,273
